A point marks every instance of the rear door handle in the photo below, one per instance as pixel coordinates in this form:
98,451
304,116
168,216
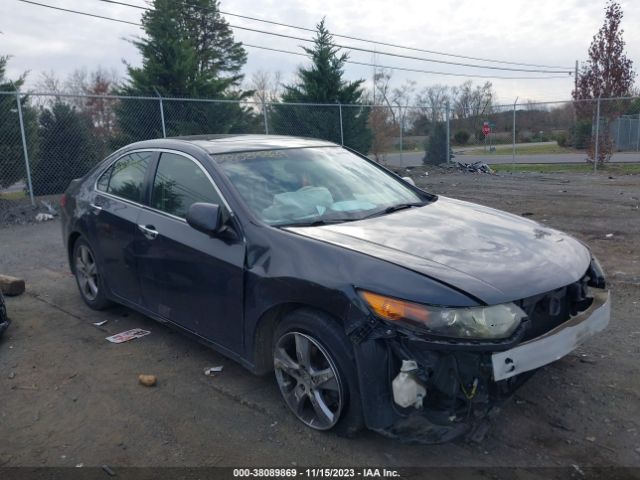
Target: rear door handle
148,231
95,208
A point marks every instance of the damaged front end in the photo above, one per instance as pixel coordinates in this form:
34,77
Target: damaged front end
437,388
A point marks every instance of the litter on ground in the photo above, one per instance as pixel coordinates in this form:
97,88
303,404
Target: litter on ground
128,335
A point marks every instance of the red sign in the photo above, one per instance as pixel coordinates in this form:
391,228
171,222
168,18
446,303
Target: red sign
486,129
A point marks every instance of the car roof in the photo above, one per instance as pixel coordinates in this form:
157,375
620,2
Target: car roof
214,144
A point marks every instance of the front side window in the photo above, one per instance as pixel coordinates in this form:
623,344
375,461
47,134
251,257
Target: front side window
310,185
125,178
180,182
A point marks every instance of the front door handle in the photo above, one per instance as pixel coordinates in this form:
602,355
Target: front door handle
95,208
148,231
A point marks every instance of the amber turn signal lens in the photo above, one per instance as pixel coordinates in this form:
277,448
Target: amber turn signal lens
394,309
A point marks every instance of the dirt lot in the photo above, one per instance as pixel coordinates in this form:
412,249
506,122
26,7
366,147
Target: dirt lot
68,397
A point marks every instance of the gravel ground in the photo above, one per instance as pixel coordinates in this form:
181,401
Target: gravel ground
69,397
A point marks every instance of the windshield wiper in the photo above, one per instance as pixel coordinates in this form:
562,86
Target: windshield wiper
315,223
394,208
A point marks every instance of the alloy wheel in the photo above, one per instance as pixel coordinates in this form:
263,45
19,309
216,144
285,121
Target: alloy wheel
86,272
308,380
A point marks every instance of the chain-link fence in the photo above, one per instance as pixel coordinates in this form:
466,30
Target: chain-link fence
46,140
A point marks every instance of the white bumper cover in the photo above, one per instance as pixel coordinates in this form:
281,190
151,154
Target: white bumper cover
554,344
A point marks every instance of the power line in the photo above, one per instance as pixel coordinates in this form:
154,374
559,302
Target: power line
302,54
360,39
408,69
80,13
378,52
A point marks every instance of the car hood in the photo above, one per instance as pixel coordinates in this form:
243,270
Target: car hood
491,255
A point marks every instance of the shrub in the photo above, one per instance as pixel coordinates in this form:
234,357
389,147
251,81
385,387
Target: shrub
436,151
582,134
461,137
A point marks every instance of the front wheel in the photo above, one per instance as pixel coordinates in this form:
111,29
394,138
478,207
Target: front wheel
316,373
88,276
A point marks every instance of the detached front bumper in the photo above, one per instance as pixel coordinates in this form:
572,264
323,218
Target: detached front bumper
555,344
464,383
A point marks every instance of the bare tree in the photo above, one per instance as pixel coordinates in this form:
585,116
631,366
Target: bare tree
266,87
472,103
432,101
402,97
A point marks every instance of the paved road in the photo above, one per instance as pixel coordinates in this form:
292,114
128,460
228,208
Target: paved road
412,159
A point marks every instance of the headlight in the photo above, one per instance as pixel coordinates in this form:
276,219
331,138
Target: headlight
480,323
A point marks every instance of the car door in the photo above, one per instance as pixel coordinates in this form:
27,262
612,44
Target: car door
188,277
112,222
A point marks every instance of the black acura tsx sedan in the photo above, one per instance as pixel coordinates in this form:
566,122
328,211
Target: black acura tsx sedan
375,303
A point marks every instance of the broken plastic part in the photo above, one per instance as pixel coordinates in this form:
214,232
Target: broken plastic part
407,390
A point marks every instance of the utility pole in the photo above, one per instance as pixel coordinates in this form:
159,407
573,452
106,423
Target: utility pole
575,96
374,75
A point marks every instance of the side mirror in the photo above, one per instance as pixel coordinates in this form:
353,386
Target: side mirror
205,217
409,180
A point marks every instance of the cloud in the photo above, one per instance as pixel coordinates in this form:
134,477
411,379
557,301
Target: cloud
541,32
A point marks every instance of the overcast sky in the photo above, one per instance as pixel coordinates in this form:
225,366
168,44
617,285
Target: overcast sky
549,32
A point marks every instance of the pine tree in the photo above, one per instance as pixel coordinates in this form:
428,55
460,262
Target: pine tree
67,149
323,82
12,167
188,51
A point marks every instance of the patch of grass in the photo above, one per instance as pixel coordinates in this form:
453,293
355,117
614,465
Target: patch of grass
528,149
617,168
19,195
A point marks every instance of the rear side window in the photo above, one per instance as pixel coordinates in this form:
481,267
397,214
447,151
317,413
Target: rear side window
180,182
125,178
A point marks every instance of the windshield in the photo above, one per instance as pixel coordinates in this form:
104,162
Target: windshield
313,185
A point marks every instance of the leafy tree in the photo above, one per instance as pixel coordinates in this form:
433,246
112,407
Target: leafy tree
67,149
607,73
323,82
12,167
188,51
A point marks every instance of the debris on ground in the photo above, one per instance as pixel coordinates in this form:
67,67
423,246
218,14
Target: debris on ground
11,286
609,235
108,471
527,214
211,371
12,375
475,167
44,217
147,380
49,207
99,324
128,335
577,469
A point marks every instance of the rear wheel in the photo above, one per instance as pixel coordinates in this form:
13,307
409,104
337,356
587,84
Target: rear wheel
315,372
88,276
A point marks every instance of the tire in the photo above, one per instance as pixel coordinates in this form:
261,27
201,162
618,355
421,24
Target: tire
324,394
88,277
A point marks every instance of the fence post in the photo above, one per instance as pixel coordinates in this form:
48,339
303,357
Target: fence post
265,115
513,152
595,159
164,130
341,128
638,136
447,114
24,148
401,121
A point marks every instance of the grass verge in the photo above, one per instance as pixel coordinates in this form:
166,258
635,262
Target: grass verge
617,168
